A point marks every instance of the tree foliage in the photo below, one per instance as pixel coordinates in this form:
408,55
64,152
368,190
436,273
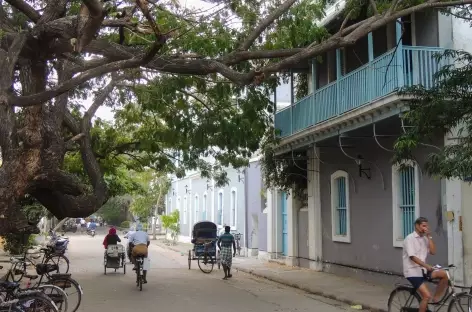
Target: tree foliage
187,87
444,109
116,209
151,199
171,223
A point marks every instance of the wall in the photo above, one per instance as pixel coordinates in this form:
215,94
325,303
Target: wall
257,232
234,184
371,244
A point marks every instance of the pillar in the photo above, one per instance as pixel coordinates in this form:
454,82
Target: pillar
315,229
453,218
270,222
213,199
293,206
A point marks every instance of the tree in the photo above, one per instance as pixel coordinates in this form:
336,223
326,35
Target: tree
172,223
116,209
176,73
147,203
446,107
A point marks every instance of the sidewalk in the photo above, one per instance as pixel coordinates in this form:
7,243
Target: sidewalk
355,292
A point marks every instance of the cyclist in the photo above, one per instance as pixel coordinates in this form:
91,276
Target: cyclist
138,244
416,247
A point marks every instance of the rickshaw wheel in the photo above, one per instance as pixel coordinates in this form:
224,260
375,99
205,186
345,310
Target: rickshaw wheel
189,259
206,266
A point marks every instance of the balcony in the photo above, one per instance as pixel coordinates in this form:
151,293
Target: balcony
378,78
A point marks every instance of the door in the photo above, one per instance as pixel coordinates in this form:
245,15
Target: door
283,201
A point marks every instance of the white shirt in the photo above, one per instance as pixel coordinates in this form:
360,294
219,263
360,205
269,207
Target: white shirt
138,237
418,246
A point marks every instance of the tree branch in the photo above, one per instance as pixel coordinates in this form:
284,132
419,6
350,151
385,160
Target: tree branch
8,135
95,7
26,9
40,98
374,7
266,22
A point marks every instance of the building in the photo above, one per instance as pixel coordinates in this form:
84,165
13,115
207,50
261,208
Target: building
238,204
359,206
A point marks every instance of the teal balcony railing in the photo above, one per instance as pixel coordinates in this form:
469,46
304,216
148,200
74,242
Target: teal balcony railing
406,67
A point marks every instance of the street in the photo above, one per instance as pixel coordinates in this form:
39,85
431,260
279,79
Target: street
171,286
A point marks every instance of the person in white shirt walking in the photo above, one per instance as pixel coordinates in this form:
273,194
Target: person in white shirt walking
416,247
138,244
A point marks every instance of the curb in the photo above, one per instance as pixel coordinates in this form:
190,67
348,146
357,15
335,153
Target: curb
311,291
293,285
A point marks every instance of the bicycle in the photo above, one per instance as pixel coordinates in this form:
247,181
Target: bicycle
139,272
450,297
237,239
50,256
55,293
25,300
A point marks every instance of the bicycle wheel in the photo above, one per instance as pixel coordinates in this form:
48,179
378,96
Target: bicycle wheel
61,261
57,295
403,297
36,303
72,289
206,263
461,303
17,272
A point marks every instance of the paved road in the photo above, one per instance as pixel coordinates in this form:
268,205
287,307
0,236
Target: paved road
172,287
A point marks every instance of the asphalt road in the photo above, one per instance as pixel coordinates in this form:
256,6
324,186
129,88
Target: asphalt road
173,287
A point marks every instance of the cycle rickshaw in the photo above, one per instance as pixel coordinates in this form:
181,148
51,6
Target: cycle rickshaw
114,258
204,238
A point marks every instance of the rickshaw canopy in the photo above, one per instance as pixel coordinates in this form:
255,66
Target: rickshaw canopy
205,229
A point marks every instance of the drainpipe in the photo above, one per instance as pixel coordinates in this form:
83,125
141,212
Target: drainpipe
246,215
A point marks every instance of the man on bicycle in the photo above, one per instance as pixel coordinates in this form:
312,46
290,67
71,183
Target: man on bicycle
138,244
416,247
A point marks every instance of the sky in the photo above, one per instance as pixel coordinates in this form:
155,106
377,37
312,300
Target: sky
105,112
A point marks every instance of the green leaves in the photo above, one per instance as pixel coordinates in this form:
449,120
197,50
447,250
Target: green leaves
445,108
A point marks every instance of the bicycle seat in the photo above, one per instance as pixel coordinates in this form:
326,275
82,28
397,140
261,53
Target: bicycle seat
60,275
32,277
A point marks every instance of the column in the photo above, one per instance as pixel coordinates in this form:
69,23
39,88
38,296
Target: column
467,231
315,229
270,222
454,219
293,207
212,198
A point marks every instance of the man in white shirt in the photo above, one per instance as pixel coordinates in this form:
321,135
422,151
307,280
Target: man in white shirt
416,247
138,244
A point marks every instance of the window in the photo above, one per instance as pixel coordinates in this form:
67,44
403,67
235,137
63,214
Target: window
178,205
405,201
340,212
204,207
185,210
234,206
197,213
219,216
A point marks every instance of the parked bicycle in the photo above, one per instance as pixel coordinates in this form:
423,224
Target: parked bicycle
51,255
25,300
237,240
47,276
451,299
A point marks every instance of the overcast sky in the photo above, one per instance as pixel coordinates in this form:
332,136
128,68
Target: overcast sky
104,112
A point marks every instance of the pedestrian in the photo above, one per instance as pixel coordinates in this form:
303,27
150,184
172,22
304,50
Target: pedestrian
225,242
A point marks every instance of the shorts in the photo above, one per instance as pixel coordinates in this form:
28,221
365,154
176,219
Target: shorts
417,281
